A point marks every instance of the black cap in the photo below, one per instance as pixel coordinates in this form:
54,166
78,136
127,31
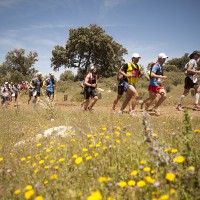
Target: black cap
193,53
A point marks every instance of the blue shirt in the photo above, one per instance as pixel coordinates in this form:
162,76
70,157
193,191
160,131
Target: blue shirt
156,69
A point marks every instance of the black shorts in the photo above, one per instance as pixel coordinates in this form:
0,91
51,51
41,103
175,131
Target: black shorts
30,93
189,83
49,93
89,92
120,90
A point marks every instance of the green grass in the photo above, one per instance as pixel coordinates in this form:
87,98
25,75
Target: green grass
105,156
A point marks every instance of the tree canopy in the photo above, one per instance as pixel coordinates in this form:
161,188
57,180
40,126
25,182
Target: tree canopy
89,45
67,75
18,66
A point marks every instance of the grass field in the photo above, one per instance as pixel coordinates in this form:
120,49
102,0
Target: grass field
99,155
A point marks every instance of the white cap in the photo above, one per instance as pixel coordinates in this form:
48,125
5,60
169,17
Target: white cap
39,73
51,73
6,83
135,55
162,55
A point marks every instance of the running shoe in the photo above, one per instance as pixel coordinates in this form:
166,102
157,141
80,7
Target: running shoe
196,106
156,111
179,107
120,112
132,113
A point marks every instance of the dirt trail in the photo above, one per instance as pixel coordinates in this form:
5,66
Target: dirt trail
167,111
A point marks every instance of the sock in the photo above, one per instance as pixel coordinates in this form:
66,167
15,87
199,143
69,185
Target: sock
197,98
181,99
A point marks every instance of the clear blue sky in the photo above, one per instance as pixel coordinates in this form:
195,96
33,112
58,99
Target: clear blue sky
144,26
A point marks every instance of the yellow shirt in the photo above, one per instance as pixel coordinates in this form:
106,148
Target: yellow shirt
133,69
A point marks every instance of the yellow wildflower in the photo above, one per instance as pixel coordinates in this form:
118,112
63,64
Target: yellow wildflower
191,168
38,145
95,196
107,137
103,128
56,167
141,183
110,198
131,183
46,182
122,184
41,162
74,156
149,179
16,192
179,159
105,147
46,167
147,169
170,176
134,173
117,141
164,197
102,179
36,171
23,159
61,160
48,150
39,198
88,158
52,161
117,133
118,128
96,154
174,151
89,135
168,149
98,144
84,150
62,145
53,177
79,160
142,162
128,134
91,145
172,191
154,135
28,194
196,131
28,187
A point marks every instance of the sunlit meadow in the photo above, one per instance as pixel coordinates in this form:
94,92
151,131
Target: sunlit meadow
101,156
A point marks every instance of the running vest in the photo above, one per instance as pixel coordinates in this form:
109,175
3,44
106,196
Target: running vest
37,83
133,69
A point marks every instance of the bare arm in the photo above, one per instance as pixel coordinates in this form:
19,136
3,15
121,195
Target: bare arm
153,75
191,71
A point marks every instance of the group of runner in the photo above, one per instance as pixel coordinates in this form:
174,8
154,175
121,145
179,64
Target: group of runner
10,91
128,76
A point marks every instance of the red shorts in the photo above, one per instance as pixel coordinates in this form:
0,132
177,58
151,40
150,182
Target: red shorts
154,88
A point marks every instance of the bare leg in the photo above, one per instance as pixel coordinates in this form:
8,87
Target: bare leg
116,101
162,93
129,94
94,100
152,96
87,101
